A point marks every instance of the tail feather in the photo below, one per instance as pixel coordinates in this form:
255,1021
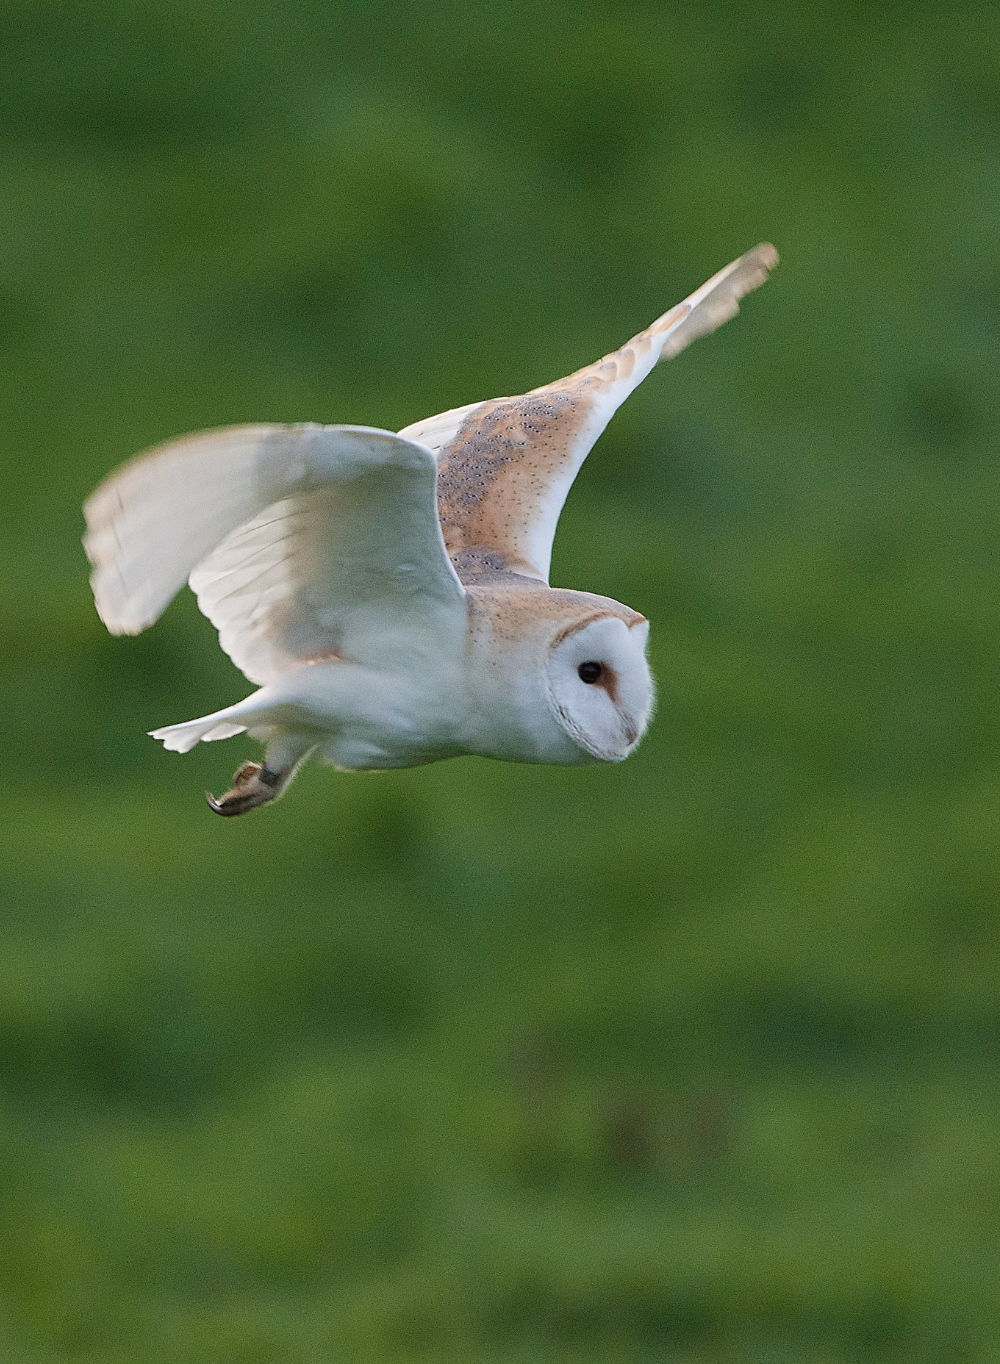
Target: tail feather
182,738
260,714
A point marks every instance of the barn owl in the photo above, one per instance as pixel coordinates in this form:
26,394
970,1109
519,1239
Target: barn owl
388,592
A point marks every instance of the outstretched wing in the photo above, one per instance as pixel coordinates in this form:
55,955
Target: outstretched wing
506,465
301,542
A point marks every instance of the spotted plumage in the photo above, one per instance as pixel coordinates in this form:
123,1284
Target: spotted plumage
389,592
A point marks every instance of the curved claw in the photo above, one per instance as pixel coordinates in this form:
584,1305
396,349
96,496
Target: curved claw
253,785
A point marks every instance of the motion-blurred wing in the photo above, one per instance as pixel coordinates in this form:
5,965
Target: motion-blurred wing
301,542
506,465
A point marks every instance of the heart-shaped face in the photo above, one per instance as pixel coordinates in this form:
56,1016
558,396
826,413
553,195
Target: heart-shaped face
599,686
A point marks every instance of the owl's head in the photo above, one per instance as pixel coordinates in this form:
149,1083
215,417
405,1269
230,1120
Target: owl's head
598,685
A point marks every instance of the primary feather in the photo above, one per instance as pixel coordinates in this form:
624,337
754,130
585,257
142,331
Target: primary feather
295,538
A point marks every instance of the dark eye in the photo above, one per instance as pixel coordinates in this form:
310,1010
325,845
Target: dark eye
589,672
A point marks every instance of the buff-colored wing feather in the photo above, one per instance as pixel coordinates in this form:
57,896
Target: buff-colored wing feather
506,465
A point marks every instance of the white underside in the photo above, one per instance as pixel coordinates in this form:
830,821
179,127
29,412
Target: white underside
357,716
416,710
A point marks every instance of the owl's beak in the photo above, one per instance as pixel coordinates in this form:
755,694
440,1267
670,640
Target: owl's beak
253,785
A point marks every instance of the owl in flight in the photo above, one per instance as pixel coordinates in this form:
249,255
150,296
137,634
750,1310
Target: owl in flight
389,592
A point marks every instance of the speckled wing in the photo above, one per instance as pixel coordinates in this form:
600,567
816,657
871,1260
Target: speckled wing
506,465
301,542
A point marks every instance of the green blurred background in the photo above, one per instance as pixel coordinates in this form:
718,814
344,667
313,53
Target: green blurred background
693,1060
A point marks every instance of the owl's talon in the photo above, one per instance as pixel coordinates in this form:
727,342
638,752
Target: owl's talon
253,785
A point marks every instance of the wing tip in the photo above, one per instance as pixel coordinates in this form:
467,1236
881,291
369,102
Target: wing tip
742,276
118,621
718,299
767,254
121,612
754,268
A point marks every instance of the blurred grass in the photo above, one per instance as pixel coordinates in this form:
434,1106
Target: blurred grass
689,1060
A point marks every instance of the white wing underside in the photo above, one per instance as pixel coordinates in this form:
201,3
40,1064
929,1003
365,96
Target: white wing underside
301,542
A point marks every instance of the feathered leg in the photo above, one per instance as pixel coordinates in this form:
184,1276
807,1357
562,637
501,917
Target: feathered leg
258,783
